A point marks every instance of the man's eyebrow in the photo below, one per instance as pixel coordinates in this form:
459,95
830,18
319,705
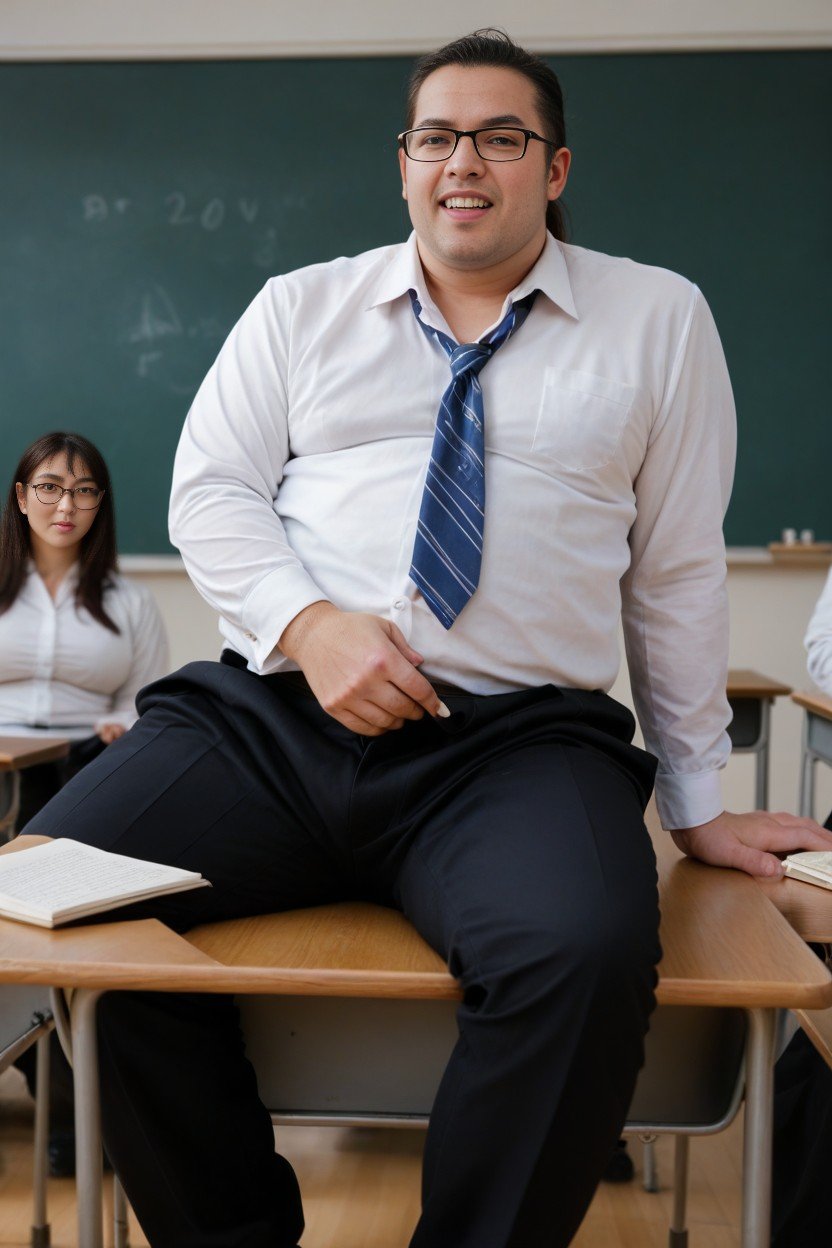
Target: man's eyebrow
441,123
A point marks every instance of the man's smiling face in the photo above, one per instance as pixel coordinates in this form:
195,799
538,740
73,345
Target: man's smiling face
470,213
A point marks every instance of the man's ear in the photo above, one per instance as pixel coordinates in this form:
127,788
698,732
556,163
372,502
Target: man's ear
559,172
403,171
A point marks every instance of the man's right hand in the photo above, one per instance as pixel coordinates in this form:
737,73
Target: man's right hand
360,668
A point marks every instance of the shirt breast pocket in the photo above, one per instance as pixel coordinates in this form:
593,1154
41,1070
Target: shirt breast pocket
581,419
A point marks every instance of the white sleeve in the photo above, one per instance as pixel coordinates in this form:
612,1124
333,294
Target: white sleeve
150,657
228,468
675,609
818,641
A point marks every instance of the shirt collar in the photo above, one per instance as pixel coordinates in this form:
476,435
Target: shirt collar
403,273
549,275
67,587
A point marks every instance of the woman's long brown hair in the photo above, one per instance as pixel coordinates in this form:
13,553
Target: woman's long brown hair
97,555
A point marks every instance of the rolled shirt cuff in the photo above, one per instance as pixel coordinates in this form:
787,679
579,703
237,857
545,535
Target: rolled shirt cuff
685,801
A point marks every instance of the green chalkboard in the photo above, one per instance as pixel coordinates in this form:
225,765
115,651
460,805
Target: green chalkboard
143,205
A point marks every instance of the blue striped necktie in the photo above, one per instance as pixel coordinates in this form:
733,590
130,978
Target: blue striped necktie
447,553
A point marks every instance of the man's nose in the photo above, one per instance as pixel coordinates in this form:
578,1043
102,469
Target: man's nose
466,160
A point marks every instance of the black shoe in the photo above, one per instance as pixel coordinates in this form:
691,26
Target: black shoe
619,1168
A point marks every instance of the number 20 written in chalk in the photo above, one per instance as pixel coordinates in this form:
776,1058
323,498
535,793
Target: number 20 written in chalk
178,211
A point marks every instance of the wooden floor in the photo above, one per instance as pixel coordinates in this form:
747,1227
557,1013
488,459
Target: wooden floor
361,1188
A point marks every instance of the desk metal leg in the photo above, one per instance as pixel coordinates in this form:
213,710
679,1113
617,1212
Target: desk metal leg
806,797
40,1225
759,1112
88,1156
761,770
678,1235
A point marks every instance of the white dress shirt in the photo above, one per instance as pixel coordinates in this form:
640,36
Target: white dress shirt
818,640
610,440
61,671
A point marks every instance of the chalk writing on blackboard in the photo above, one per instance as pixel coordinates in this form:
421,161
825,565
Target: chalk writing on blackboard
167,348
174,209
177,210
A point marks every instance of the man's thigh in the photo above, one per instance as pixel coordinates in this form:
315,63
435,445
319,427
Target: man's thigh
541,854
181,788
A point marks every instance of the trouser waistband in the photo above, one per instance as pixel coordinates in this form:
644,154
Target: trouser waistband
297,680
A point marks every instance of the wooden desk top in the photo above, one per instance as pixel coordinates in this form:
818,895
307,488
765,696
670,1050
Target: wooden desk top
745,683
19,752
721,947
818,703
807,908
724,944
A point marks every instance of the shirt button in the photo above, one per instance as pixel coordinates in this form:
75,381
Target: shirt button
399,604
251,636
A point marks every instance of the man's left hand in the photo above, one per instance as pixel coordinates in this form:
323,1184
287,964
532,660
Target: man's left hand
750,842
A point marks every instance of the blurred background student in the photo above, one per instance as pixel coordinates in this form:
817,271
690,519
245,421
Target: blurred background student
77,642
819,641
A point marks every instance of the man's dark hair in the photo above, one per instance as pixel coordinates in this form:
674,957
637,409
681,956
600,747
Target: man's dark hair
97,553
494,47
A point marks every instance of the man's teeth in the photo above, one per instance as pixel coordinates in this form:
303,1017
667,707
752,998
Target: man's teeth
458,201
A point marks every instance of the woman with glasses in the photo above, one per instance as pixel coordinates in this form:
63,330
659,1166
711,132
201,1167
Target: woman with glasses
77,640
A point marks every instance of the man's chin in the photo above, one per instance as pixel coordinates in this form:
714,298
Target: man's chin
464,252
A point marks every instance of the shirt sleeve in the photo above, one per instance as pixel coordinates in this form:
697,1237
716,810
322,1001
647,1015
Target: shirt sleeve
674,599
818,641
228,469
150,656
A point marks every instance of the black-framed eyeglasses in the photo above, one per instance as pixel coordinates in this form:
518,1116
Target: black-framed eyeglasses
430,143
85,497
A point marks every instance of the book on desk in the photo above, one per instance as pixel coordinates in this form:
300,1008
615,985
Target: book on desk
62,880
812,866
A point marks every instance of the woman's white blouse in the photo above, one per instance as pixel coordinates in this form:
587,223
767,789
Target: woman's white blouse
62,670
818,641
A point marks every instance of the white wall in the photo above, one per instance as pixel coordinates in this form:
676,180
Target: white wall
121,28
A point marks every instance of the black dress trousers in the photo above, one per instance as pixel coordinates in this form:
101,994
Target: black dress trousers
802,1152
510,834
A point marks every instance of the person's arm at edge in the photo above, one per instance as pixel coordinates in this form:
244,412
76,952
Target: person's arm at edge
676,622
230,460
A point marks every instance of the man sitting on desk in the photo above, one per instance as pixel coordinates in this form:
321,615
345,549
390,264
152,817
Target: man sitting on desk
420,617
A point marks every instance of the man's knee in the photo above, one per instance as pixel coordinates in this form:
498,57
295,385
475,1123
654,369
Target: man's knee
613,955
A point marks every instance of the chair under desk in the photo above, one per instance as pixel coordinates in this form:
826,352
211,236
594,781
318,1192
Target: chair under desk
725,945
750,696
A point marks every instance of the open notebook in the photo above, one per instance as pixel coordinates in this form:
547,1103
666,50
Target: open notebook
62,880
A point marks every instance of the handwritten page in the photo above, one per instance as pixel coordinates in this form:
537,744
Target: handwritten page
61,875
